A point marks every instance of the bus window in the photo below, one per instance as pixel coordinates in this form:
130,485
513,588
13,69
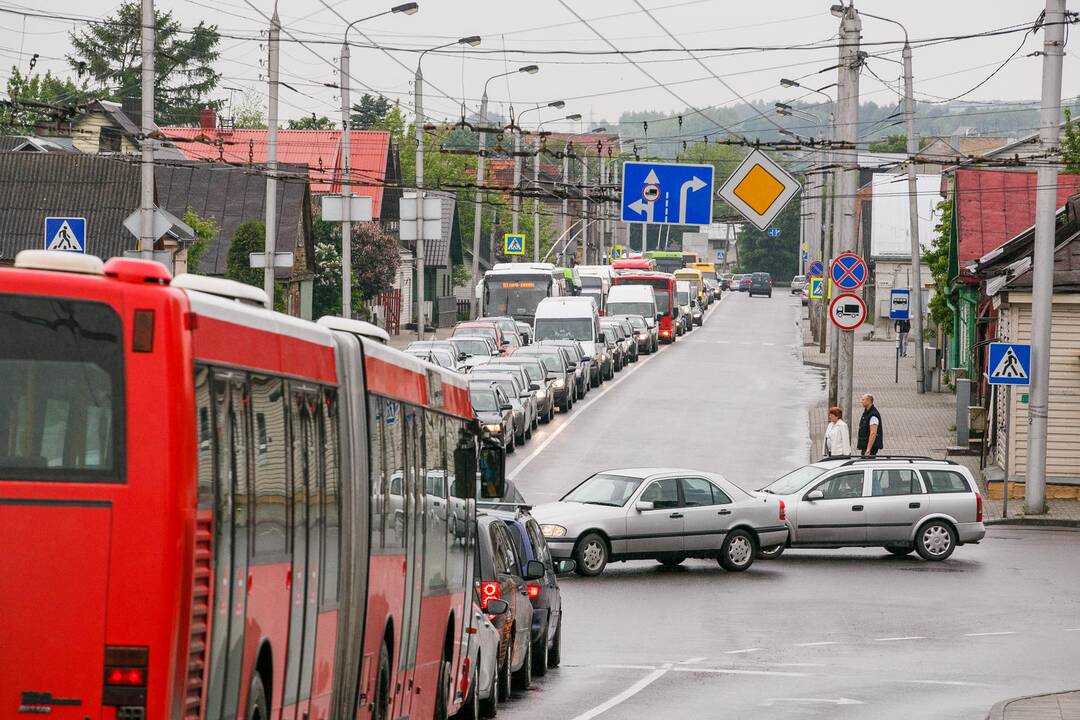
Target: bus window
204,429
270,483
435,501
394,502
376,462
328,441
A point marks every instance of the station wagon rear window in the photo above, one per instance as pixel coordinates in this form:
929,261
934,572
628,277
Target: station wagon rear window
61,401
945,481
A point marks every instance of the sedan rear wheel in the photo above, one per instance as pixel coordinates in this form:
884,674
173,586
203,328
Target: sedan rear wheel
737,553
935,540
770,553
591,554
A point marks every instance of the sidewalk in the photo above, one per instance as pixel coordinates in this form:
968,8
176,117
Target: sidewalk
914,424
401,341
1053,706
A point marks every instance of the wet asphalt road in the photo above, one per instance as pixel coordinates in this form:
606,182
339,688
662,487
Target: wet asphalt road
830,634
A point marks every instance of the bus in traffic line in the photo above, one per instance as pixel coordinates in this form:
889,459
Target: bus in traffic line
213,510
663,285
515,289
666,260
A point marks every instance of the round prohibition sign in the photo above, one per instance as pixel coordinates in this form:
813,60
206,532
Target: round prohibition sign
650,193
848,271
847,311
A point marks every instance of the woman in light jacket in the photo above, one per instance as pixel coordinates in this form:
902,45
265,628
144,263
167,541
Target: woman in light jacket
837,438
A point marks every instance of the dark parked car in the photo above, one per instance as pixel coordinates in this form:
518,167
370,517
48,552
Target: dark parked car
584,363
538,375
494,411
499,576
544,592
561,368
761,284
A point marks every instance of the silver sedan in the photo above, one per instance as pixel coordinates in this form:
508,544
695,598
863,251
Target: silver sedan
664,514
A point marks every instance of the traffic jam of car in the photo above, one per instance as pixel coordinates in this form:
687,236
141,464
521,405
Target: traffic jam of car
546,338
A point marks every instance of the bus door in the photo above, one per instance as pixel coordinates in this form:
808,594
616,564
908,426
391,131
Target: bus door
304,500
228,438
414,558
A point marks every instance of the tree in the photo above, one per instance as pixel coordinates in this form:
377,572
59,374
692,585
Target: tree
250,237
375,262
778,256
1070,145
937,259
375,259
312,123
38,98
206,229
890,144
369,111
184,77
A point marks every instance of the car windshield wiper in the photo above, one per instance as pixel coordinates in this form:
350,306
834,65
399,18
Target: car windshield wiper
767,490
597,502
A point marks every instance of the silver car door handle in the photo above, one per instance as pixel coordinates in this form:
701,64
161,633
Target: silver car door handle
724,512
675,515
913,505
856,508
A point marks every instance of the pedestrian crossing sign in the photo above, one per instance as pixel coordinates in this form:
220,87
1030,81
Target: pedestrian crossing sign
817,288
513,244
65,234
1009,364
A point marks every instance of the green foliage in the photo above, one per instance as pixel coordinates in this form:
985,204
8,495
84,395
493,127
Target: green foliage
312,123
890,144
27,92
374,265
460,276
367,113
375,258
184,76
778,256
937,259
1070,145
206,229
249,115
250,237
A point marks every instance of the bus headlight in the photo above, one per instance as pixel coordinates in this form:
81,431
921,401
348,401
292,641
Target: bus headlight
552,531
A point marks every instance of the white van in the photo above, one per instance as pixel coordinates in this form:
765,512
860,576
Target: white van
635,300
571,318
595,281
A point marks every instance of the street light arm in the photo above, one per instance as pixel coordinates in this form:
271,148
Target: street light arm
888,20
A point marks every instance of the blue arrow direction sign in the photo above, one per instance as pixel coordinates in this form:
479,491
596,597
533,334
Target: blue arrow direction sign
774,232
65,234
1009,364
667,193
848,271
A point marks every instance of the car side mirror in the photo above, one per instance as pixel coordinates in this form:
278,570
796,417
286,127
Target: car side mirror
534,387
492,472
534,570
505,343
463,356
643,505
495,606
572,366
815,495
563,567
675,312
507,406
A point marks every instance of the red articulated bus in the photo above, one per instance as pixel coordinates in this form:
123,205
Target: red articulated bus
634,263
212,510
663,284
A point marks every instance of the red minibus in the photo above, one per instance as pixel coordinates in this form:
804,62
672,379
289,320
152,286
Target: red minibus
634,263
212,510
664,286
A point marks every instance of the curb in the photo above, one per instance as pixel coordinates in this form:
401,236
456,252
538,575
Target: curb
1036,522
997,712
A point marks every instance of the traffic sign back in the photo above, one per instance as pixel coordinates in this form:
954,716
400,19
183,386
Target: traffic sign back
65,234
847,311
667,193
1009,364
848,271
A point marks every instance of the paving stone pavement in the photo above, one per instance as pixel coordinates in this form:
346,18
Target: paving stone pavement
914,424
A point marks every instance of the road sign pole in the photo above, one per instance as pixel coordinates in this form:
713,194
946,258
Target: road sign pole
146,164
270,226
1042,291
1008,416
913,218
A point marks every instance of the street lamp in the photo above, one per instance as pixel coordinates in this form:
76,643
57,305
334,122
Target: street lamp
346,176
472,41
481,179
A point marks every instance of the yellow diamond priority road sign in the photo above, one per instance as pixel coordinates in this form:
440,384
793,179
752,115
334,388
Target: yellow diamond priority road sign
759,189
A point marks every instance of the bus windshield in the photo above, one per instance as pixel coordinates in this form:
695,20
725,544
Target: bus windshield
515,295
668,265
591,281
564,329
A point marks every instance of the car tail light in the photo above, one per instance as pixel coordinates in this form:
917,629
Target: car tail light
978,507
783,510
489,591
534,591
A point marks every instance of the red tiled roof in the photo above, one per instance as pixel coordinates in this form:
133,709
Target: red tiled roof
994,206
320,150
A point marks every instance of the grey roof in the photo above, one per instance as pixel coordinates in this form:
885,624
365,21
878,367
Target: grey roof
34,186
233,195
33,143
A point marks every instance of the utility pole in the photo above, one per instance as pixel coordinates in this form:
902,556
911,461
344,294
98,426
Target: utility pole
271,159
346,182
913,215
516,195
536,201
1042,300
146,161
585,206
847,101
478,217
419,133
565,199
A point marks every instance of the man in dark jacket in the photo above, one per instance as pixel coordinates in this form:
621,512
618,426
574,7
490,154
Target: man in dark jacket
871,431
903,327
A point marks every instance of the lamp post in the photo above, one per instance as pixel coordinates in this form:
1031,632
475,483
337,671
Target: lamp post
557,104
481,180
913,210
346,177
472,41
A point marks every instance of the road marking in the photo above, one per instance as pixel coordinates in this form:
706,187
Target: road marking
613,666
744,650
831,701
768,344
625,694
735,671
988,634
800,664
588,403
817,644
1072,630
691,661
897,639
957,683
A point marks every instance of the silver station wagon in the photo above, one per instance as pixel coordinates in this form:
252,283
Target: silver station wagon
663,514
900,503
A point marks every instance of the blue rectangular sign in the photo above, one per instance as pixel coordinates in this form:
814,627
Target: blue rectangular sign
1009,364
900,304
667,193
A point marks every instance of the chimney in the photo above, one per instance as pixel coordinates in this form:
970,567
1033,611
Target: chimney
132,107
207,119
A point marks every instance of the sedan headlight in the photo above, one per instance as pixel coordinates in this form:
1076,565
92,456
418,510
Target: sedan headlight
541,394
494,427
560,383
552,531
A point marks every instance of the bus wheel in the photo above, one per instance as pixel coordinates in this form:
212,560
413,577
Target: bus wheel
257,706
381,709
440,691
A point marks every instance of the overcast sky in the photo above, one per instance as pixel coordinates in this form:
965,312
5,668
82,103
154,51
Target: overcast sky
597,86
